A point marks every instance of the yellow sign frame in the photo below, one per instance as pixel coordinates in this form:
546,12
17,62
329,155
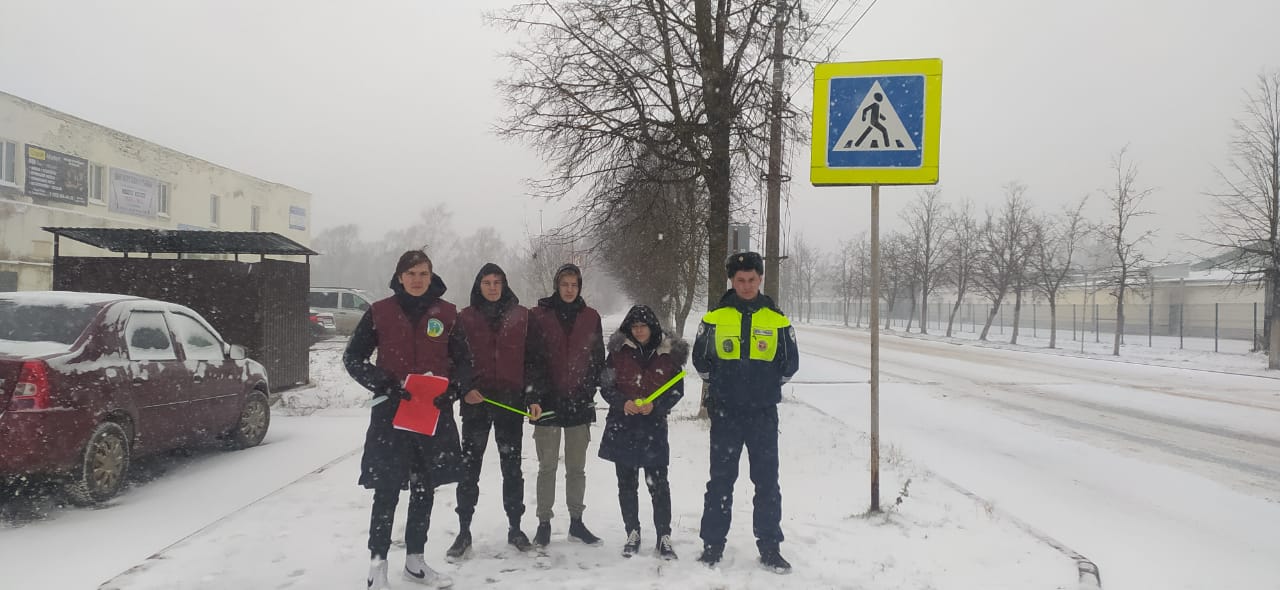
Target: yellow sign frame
820,174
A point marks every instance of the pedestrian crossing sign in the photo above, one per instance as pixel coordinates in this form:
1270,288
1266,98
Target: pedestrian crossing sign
876,122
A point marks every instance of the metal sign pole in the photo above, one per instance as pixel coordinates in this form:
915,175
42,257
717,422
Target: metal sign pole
875,348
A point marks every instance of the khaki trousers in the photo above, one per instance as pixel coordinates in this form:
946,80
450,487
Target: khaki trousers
546,440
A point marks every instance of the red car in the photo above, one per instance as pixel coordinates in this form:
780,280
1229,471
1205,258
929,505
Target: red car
89,381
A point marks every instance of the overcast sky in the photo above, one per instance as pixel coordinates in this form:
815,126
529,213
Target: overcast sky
381,109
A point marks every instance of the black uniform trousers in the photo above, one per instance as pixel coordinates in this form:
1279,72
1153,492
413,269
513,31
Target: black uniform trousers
629,496
421,499
757,430
476,423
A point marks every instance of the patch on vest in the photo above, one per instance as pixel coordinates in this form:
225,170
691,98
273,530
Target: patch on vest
762,345
435,327
727,345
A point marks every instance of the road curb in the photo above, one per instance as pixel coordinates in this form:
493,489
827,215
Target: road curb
107,585
1087,571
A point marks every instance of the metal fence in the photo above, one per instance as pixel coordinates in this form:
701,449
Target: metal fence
1219,327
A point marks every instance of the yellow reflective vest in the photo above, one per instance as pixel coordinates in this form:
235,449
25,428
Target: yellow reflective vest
745,351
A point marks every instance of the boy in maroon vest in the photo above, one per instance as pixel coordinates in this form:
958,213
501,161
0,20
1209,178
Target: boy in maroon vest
566,356
414,331
497,329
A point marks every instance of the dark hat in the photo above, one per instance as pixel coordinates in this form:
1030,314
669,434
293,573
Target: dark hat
565,269
744,261
477,299
642,314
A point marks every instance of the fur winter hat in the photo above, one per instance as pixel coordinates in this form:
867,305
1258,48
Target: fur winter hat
744,261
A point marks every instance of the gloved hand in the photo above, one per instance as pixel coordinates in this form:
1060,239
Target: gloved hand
398,393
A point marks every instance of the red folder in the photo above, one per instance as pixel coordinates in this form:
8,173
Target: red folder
419,413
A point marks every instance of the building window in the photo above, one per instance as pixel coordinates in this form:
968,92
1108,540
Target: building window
162,207
215,210
255,218
8,162
97,180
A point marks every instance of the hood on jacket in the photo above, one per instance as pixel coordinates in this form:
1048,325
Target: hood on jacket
508,297
434,291
678,348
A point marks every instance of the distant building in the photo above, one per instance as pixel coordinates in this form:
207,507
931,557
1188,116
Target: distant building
59,170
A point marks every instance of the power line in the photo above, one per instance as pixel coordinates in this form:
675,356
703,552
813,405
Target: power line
833,48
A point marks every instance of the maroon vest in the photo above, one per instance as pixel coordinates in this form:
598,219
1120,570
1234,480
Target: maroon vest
497,355
633,379
404,348
568,355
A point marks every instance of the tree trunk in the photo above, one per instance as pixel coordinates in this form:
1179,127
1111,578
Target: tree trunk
911,315
951,320
1272,361
924,308
718,117
1115,348
991,317
1053,320
1017,315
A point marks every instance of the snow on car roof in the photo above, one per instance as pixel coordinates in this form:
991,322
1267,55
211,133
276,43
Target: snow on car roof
61,298
31,349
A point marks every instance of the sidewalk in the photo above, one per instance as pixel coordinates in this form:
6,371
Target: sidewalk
311,534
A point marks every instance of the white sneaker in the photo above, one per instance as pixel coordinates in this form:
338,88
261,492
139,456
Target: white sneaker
417,571
378,575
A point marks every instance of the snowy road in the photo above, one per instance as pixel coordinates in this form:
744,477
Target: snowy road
1167,478
81,548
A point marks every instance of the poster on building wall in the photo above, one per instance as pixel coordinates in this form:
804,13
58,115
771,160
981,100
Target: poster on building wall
55,176
133,194
297,218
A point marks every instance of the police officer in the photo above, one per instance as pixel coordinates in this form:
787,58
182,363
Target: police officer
745,350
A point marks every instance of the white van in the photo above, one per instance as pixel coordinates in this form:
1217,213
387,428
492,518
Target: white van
346,305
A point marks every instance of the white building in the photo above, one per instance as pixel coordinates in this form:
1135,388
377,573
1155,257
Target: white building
58,170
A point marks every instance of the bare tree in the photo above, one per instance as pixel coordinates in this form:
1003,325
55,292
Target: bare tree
652,244
896,272
926,225
1247,220
1124,240
965,252
805,263
1002,238
852,268
1053,256
599,81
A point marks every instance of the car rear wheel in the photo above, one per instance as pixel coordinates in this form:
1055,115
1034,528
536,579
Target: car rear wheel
255,418
103,466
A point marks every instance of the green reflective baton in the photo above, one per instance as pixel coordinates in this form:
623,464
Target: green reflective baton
661,390
518,411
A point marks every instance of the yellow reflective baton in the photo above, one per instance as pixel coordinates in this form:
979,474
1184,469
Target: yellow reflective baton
661,390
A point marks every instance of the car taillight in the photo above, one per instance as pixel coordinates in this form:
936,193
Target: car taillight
315,319
32,390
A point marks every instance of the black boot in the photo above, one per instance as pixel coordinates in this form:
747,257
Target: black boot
516,538
542,538
460,545
579,531
772,560
632,545
664,548
711,554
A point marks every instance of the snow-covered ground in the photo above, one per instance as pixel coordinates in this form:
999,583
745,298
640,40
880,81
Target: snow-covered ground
1232,356
1166,478
43,545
